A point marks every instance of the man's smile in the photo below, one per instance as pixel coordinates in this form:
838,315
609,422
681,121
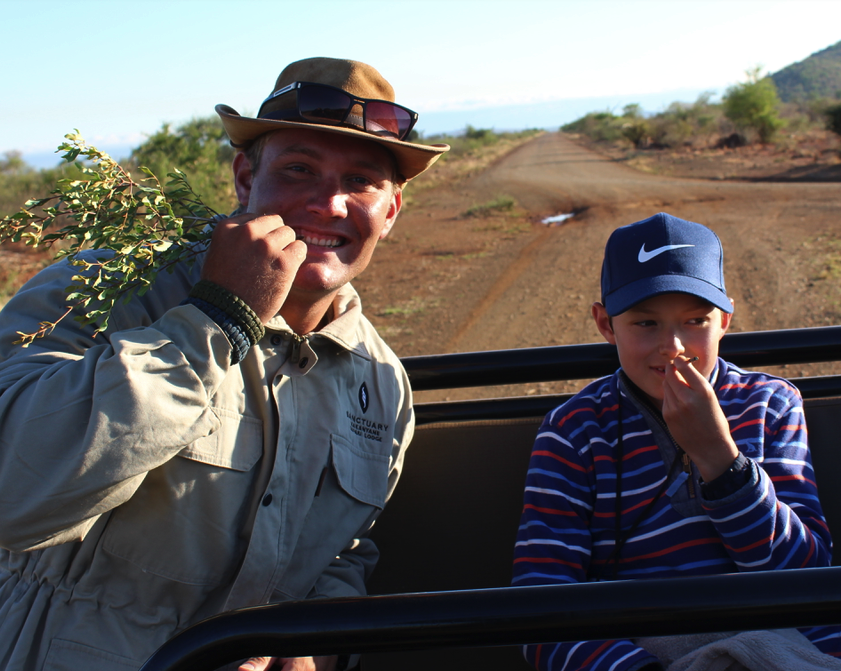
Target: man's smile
319,241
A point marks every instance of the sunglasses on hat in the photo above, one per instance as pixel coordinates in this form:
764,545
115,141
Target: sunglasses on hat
320,103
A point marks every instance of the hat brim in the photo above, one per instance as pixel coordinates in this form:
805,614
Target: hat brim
628,296
412,159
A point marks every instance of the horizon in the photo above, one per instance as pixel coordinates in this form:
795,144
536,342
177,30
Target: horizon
492,64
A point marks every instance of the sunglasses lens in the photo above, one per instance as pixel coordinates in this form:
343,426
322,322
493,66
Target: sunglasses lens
320,103
383,118
323,104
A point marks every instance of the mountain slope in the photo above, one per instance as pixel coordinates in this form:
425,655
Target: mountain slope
818,76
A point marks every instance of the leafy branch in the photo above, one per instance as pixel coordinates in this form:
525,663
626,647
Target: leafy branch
140,227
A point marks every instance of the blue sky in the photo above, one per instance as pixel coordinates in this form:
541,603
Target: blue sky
118,69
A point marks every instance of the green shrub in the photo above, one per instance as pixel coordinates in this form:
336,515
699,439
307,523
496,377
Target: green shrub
754,106
637,131
598,126
833,118
473,140
200,148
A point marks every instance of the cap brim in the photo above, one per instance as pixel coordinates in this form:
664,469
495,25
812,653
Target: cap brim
628,296
412,159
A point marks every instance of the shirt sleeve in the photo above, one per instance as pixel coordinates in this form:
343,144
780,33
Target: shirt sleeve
775,521
84,416
554,544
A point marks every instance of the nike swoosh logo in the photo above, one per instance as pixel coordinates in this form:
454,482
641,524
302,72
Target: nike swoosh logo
647,256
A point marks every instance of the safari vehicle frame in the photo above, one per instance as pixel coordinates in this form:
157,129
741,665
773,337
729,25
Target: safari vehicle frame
447,536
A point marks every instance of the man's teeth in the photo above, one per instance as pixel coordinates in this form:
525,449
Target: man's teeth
320,242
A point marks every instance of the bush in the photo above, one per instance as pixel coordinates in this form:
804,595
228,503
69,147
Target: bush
199,148
473,140
638,132
754,106
833,118
598,126
19,181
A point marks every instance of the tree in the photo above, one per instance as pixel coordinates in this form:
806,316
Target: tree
200,148
833,118
754,105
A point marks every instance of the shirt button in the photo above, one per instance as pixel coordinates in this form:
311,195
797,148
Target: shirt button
267,499
304,362
276,340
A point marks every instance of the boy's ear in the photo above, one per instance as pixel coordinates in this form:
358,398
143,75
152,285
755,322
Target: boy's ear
726,318
603,322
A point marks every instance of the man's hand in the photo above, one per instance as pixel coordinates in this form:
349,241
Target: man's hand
696,421
290,664
255,257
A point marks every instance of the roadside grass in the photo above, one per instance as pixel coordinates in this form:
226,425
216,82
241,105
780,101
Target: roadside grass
469,154
407,309
829,263
499,204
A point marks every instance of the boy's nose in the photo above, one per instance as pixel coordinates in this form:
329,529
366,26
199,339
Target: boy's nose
671,345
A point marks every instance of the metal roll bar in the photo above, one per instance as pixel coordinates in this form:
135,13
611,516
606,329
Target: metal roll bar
577,362
509,616
824,386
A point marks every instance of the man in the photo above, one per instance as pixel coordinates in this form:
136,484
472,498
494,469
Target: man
234,435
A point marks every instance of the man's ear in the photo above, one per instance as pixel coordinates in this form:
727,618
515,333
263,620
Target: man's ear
242,178
393,211
603,322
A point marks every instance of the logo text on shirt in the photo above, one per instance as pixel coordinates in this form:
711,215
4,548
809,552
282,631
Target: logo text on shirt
366,428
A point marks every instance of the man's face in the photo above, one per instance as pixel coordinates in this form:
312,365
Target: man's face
336,192
659,330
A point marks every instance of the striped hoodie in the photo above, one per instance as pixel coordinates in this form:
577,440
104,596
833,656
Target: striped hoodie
567,532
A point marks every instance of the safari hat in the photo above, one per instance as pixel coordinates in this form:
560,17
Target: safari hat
658,255
357,79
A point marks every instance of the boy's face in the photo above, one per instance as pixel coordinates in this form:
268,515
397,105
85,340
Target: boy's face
659,330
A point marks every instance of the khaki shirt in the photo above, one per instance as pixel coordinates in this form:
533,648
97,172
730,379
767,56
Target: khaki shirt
146,483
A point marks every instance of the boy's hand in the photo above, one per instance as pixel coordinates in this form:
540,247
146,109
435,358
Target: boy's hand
696,421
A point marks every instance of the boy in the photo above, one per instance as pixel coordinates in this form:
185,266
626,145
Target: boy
679,463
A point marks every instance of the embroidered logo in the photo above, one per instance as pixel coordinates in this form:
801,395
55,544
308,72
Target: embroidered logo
647,256
363,397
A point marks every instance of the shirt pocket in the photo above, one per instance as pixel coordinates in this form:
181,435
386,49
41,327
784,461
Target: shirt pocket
185,521
349,498
362,474
71,656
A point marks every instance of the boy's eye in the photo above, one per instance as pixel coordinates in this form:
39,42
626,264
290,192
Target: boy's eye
646,322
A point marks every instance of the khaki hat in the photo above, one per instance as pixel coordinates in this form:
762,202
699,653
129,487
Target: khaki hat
359,80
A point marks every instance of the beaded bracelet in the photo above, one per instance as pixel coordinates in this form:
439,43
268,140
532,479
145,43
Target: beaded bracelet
240,323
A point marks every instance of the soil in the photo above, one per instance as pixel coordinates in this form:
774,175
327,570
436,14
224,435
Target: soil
445,281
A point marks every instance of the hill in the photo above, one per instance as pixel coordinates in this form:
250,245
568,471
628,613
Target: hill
818,76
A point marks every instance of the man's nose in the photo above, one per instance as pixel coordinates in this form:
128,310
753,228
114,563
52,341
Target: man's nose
328,200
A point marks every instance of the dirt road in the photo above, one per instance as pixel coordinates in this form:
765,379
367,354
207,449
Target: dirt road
446,282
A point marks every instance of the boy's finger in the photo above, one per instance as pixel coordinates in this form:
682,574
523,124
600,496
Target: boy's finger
685,367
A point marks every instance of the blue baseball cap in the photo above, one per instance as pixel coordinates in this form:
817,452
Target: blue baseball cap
658,255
